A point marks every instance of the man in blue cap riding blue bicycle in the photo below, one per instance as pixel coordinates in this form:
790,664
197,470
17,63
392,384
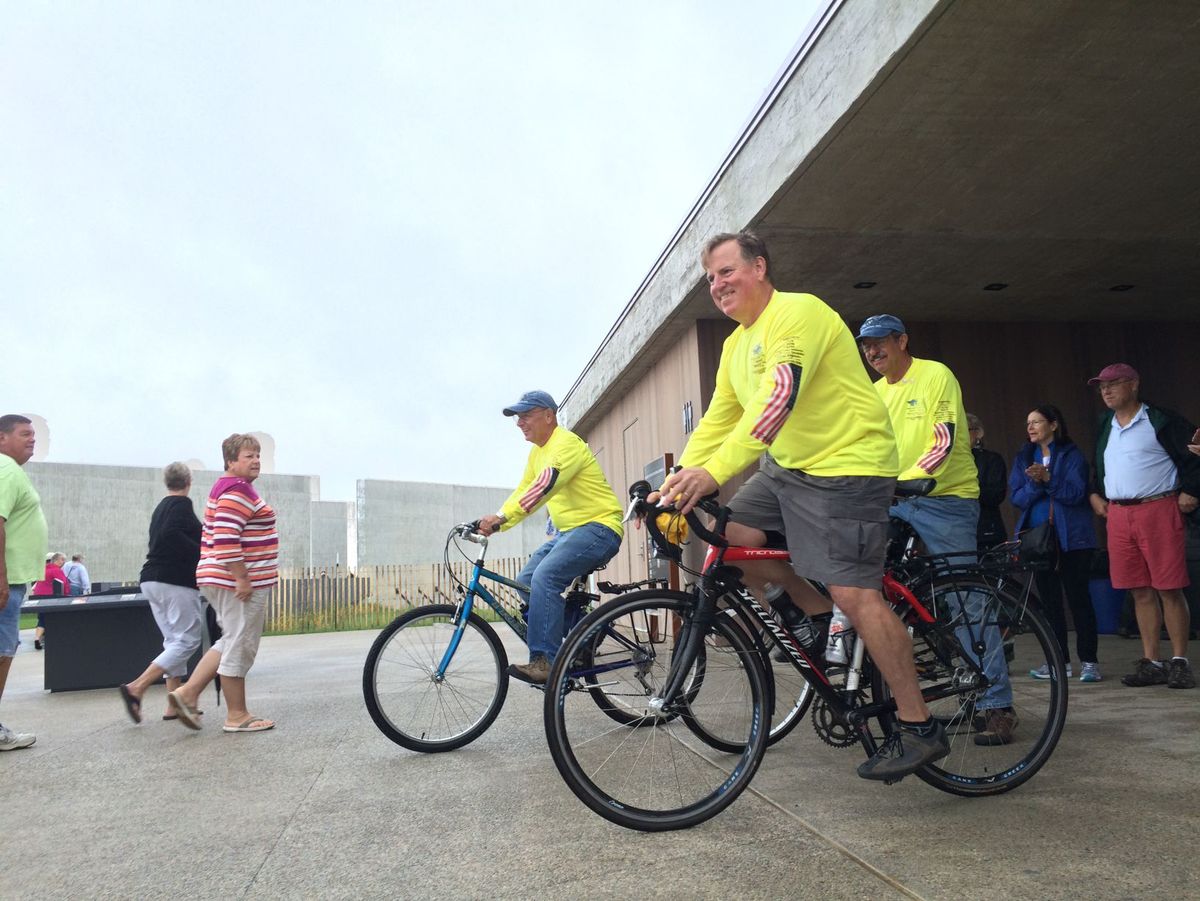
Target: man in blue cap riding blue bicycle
563,474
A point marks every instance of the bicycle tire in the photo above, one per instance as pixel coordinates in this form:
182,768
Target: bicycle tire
972,769
656,777
613,706
793,695
409,705
789,694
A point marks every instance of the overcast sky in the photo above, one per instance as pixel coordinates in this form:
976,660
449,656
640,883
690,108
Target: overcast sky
361,227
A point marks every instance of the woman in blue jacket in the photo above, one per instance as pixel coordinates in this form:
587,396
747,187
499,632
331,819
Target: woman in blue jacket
1049,482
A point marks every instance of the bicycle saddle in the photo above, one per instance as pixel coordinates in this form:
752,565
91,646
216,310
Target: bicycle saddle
915,487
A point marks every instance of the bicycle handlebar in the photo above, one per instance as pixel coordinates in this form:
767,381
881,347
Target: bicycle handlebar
639,506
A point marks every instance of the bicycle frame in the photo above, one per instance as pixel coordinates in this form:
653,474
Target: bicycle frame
721,579
476,589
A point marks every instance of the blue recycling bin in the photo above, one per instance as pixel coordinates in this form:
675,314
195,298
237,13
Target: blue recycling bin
1107,602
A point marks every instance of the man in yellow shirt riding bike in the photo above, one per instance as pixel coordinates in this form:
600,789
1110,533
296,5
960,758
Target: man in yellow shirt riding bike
792,391
563,474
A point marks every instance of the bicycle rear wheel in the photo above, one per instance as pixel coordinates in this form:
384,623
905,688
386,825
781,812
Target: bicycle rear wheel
978,764
407,701
657,776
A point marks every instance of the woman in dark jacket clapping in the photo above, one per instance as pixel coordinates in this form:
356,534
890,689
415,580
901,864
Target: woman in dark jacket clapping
1049,483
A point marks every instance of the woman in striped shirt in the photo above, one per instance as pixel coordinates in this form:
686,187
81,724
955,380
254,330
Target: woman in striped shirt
239,564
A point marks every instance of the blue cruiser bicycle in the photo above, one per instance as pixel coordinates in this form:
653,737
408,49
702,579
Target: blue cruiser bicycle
436,676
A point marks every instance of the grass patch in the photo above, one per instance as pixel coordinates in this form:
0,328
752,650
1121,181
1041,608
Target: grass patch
28,621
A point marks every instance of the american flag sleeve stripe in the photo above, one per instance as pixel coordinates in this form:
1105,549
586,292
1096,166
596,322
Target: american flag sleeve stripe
779,405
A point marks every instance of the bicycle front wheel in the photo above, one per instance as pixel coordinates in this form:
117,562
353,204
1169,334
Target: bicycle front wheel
653,773
1014,638
406,698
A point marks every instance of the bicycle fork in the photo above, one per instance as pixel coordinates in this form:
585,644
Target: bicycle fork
691,640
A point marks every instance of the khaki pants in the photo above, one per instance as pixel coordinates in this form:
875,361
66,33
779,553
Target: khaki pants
242,627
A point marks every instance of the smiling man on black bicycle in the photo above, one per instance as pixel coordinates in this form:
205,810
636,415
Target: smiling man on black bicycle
562,473
792,390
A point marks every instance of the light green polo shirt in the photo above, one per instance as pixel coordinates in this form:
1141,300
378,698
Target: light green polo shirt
25,533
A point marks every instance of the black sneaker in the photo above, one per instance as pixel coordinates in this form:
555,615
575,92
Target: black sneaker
1146,672
1179,674
904,752
535,672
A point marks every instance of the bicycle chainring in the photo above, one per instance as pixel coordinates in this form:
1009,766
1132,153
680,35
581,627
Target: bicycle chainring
830,729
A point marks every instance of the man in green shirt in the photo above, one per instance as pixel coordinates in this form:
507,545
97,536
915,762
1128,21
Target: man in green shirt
23,541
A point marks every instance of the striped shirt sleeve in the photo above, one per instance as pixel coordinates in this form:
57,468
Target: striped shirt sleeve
943,441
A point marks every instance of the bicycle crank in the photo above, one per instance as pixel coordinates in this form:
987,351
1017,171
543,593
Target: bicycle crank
833,731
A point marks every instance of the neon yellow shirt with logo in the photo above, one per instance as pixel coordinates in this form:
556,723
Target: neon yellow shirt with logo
793,385
563,474
926,409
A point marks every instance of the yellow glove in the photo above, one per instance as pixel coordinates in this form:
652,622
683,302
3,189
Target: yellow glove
673,526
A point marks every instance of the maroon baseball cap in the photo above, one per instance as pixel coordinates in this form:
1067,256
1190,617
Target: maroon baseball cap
1114,371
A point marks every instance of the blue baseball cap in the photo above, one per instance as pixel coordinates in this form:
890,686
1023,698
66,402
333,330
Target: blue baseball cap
531,400
880,327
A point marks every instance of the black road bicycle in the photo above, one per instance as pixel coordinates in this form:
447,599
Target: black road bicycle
693,676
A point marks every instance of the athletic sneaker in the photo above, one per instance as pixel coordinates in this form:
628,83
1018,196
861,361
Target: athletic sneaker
11,741
1179,674
1091,673
1043,672
903,752
1146,672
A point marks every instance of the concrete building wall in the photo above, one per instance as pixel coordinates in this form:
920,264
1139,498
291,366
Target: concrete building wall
407,522
331,525
104,512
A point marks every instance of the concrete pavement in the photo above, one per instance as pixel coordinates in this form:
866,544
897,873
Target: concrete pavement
325,806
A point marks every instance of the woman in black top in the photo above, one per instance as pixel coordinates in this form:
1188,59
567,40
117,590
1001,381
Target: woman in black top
169,583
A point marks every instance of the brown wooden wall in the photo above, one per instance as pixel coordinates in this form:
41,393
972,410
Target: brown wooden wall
645,423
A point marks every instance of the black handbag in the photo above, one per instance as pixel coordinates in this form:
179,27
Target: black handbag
1039,544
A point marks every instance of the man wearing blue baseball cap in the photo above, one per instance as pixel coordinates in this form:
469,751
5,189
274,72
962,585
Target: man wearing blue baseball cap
924,403
563,474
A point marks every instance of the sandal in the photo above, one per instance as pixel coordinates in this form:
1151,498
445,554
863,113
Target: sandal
251,724
189,716
133,705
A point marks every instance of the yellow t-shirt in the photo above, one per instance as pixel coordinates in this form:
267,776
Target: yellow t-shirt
927,414
563,473
792,384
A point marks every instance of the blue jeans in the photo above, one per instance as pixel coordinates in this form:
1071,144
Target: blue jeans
10,621
551,568
945,525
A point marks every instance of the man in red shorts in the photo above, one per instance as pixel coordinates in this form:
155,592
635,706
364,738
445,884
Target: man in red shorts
1145,481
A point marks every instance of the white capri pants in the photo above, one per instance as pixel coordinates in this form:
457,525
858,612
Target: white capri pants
177,610
241,627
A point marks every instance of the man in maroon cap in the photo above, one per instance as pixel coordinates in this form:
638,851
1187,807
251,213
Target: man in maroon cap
1145,481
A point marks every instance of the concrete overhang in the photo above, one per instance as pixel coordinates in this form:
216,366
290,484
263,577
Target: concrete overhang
938,147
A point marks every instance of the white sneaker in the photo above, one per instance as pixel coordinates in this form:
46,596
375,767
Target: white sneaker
1043,671
11,741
